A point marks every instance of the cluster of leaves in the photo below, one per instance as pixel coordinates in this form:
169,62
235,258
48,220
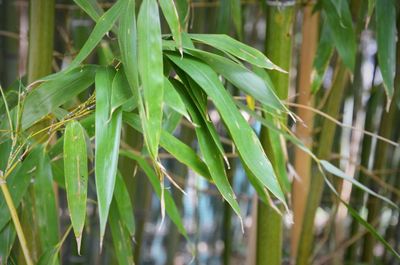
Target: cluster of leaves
154,74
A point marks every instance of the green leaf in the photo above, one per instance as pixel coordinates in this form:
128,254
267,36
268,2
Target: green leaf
18,183
108,132
242,78
7,238
127,40
173,100
121,239
170,205
242,134
175,147
183,8
341,26
91,8
386,36
55,92
236,48
363,222
212,158
339,173
237,17
76,176
171,15
45,201
121,92
151,74
123,203
103,25
322,58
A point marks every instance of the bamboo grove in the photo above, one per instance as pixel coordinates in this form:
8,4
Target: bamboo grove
275,121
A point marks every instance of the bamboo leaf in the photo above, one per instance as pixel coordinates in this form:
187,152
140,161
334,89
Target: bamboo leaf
242,134
7,238
108,131
173,99
45,201
18,183
175,147
171,15
183,8
103,25
91,8
55,92
386,35
236,48
121,92
242,78
170,205
121,239
212,159
123,203
151,73
322,58
340,23
237,17
76,176
339,173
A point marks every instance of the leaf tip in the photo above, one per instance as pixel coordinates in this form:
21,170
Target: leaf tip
78,243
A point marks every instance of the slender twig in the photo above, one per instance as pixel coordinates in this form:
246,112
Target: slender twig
15,219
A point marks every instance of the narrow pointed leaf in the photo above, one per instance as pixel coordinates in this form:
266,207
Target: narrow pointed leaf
151,73
121,92
121,239
76,176
7,238
55,92
175,147
170,206
91,8
45,202
123,203
242,78
386,39
104,24
171,15
242,134
236,48
341,26
173,100
108,131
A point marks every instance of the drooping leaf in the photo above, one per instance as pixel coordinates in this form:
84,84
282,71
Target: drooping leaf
103,25
175,147
121,92
386,35
242,78
242,134
151,74
339,173
171,15
18,183
322,58
45,201
212,158
108,131
173,100
76,176
55,92
91,8
341,26
7,238
124,205
121,239
170,206
236,48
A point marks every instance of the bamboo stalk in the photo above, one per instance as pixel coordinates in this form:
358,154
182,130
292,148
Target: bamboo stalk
302,161
278,47
317,182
